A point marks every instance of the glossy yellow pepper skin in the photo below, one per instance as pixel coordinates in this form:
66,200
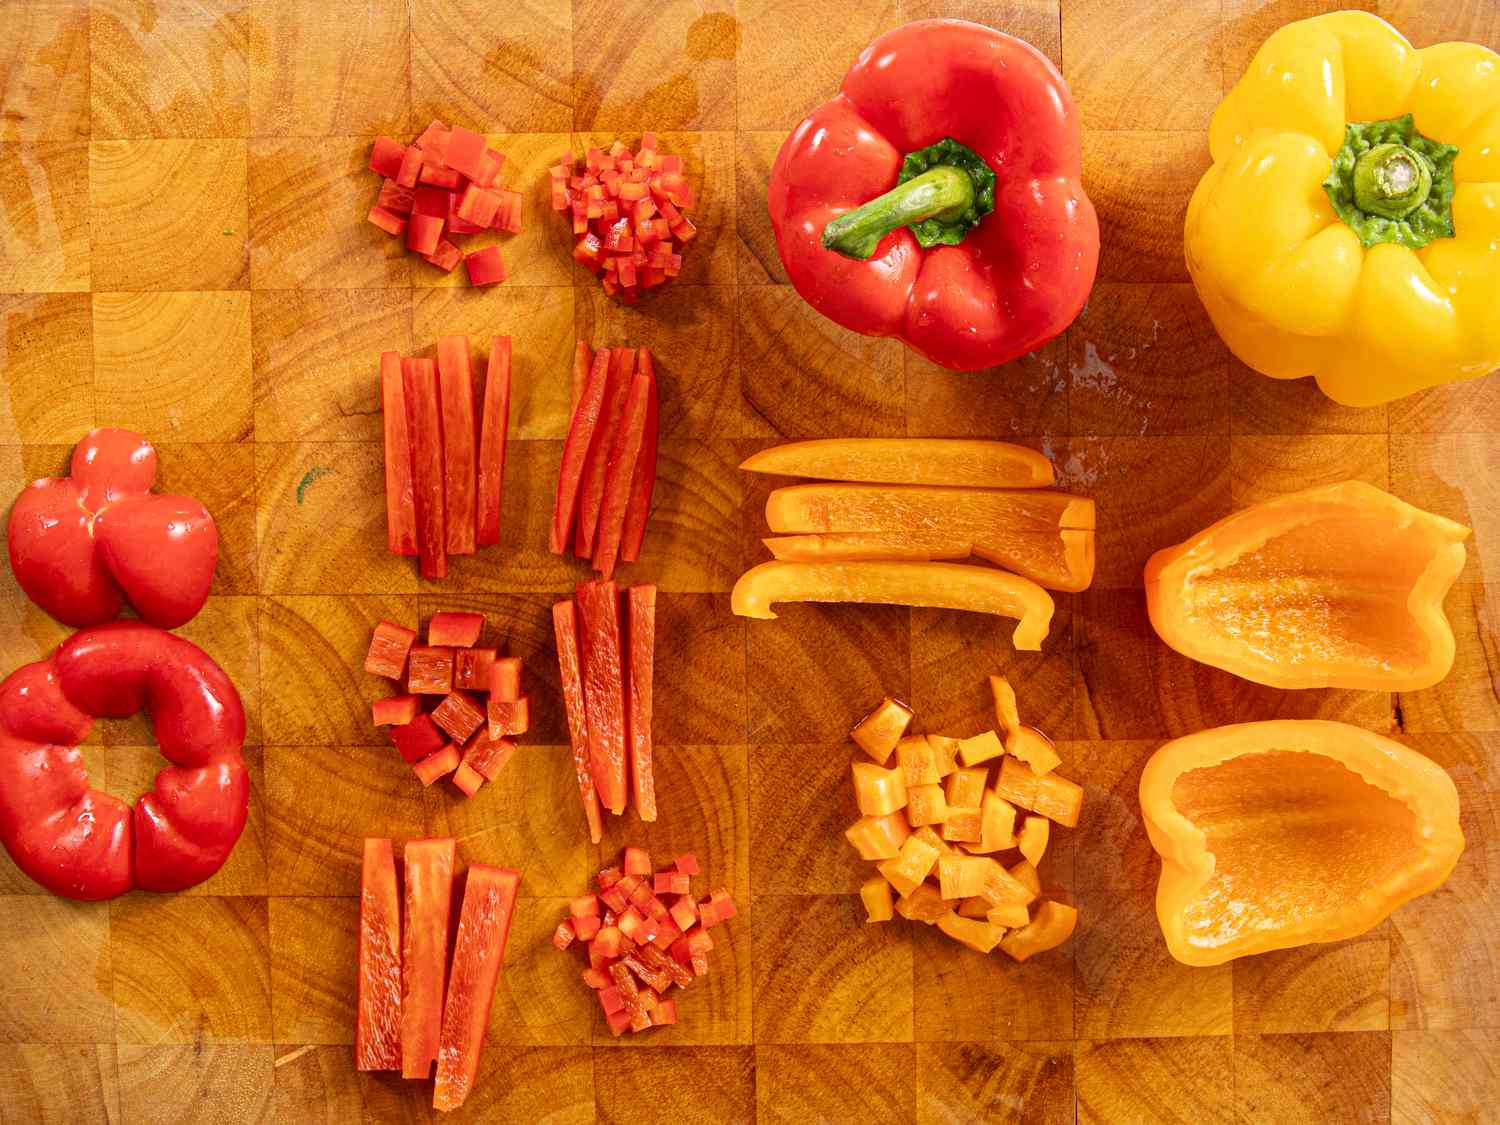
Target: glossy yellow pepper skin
1289,283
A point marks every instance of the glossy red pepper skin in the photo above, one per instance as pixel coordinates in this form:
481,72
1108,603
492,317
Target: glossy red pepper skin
1019,277
82,544
81,843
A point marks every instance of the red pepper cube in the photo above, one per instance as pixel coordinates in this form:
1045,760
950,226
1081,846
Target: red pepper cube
417,739
465,151
458,716
665,1014
607,943
396,711
439,176
478,205
429,200
584,906
489,171
597,959
485,267
661,883
467,779
631,923
430,670
611,1000
680,951
390,645
505,679
627,273
386,156
472,667
487,756
614,898
508,216
670,163
559,196
641,896
411,167
456,223
588,250
618,1022
437,765
455,630
395,198
667,934
637,861
684,913
446,256
423,233
617,149
687,864
509,718
683,230
587,927
564,936
388,221
608,877
595,978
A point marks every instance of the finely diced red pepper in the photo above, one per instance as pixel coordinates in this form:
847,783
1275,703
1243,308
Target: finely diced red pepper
608,877
472,667
596,471
611,1000
637,861
439,176
424,951
457,384
509,717
641,641
620,474
439,764
487,756
458,716
595,978
485,266
388,221
429,670
643,483
687,864
576,452
665,1014
589,251
455,630
400,503
396,711
377,1027
465,152
603,690
467,779
684,912
435,135
411,167
587,927
424,428
505,680
478,953
565,630
417,739
386,156
584,906
494,422
423,233
564,935
618,1022
608,942
390,646
478,205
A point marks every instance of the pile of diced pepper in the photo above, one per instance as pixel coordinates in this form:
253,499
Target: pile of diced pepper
935,823
643,933
627,214
468,735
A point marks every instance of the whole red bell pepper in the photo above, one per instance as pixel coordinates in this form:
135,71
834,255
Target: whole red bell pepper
936,197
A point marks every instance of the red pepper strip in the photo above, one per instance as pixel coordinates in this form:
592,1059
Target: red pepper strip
425,428
84,844
575,453
625,451
565,628
456,382
591,497
582,360
377,1028
424,951
644,484
603,689
478,952
400,506
496,421
641,627
1020,276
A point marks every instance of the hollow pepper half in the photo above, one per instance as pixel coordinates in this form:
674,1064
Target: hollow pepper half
1349,227
936,197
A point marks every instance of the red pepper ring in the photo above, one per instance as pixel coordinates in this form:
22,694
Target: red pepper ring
1020,275
84,844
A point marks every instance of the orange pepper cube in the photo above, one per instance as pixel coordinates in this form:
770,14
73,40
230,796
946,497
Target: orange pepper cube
980,748
925,805
875,893
1053,925
880,730
1034,748
1025,873
1032,840
965,787
918,761
1052,796
878,837
923,904
945,750
997,824
1007,715
915,862
878,791
1011,915
980,936
930,837
1002,886
974,907
963,876
964,825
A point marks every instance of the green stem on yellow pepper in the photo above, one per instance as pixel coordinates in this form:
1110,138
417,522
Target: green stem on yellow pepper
1391,180
1389,183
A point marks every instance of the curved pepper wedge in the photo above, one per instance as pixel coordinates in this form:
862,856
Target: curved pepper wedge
85,844
1277,834
889,215
1338,586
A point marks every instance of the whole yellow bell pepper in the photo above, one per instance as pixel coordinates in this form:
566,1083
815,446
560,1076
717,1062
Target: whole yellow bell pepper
1349,227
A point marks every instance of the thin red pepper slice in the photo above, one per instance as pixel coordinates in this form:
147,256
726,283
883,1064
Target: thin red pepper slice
603,689
591,496
575,452
377,1028
565,627
644,483
582,360
641,629
495,421
456,380
424,951
621,475
424,428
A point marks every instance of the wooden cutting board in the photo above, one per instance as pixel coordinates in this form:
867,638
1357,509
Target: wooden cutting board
182,251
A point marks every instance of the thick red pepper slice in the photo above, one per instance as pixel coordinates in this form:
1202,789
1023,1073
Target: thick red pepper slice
565,629
495,421
400,503
603,689
424,951
576,451
377,1027
611,413
425,428
624,452
638,511
641,631
456,381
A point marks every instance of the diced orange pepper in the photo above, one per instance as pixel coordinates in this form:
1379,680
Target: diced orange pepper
925,805
1011,915
875,892
878,837
878,791
963,876
974,907
1025,873
997,824
980,936
1033,838
1001,886
946,751
941,461
964,825
928,835
1034,748
1053,925
878,732
1052,796
1007,714
923,904
980,748
918,762
964,788
913,865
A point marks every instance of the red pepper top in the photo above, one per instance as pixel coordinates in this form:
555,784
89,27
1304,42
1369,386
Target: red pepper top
1020,276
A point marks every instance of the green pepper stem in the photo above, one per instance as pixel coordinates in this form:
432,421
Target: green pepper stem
1391,180
942,192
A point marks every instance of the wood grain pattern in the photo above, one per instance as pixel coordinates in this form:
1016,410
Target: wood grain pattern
44,203
46,354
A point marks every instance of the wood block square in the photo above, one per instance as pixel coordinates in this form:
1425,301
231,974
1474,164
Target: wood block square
1264,467
323,641
1444,974
487,67
690,1083
1327,986
540,999
692,541
45,58
60,958
308,208
178,69
1188,1081
1145,359
795,53
966,997
1039,22
966,1082
207,1084
1115,61
53,1085
190,970
1448,474
552,1084
337,69
314,945
44,215
315,1083
818,964
321,520
315,359
1465,700
1425,24
222,477
641,65
1024,398
539,322
847,1085
1139,183
1290,1079
315,847
150,354
1128,985
757,261
690,330
801,800
702,642
49,370
527,818
952,655
1262,405
1110,845
169,214
1444,1075
818,669
803,376
1468,407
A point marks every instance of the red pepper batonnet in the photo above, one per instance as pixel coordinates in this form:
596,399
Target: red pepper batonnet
936,197
84,844
82,544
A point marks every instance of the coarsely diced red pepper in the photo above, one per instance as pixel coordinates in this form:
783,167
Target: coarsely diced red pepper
596,470
424,950
478,205
665,1014
620,474
423,232
417,739
377,1027
411,167
457,383
684,912
455,630
395,198
396,711
576,450
388,220
584,906
472,668
434,137
429,670
494,422
467,779
489,168
509,718
458,716
390,646
505,680
596,978
637,861
643,484
437,765
687,864
718,907
608,877
670,882
457,224
611,1000
478,953
487,756
608,942
446,257
465,151
641,642
603,689
586,928
508,213
424,427
564,935
618,1022
431,201
400,503
485,266
565,631
386,156
438,176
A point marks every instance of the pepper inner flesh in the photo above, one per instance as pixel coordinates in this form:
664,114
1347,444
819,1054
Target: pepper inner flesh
1296,836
